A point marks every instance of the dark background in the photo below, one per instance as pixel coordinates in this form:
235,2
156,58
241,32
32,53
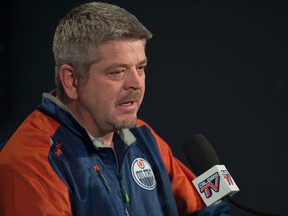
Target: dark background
215,67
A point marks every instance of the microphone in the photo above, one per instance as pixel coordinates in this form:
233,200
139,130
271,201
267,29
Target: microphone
213,183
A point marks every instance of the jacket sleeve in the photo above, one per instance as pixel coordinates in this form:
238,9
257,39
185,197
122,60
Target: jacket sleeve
220,209
28,184
187,198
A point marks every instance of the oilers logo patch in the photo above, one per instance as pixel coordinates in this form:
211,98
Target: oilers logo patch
143,174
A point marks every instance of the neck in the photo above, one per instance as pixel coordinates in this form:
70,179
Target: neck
107,140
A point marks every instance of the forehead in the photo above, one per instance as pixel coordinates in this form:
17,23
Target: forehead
121,48
119,53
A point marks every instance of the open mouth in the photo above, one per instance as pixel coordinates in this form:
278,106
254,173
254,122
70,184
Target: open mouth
129,103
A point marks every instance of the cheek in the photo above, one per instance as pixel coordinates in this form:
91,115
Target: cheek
106,95
90,93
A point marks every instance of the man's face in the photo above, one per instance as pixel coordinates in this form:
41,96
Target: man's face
112,96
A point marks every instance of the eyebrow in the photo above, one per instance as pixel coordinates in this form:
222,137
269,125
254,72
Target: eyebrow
145,61
114,65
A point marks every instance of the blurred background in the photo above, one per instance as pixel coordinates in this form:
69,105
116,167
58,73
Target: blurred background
218,68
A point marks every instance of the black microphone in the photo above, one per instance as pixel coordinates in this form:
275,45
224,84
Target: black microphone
200,154
213,183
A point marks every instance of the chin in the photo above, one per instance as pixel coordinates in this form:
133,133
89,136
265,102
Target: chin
128,123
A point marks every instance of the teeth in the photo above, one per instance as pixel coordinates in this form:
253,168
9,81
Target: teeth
126,104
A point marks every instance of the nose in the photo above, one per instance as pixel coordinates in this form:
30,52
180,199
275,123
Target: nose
135,79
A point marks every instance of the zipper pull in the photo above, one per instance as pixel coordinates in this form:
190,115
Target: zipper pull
97,168
126,196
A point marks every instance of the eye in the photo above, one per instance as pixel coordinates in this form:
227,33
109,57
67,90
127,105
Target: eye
142,68
118,73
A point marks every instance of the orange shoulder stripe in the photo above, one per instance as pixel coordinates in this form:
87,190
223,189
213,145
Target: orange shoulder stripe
28,184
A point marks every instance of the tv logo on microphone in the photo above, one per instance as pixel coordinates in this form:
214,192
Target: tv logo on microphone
214,184
209,184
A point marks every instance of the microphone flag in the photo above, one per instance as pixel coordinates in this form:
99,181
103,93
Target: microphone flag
215,184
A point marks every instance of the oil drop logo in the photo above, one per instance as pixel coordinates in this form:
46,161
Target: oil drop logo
143,174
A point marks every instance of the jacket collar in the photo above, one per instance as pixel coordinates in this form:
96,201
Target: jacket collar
55,108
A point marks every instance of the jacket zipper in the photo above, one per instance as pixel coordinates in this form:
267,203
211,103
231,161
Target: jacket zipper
104,181
125,194
97,168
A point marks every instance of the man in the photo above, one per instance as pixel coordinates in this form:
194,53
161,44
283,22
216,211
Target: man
83,151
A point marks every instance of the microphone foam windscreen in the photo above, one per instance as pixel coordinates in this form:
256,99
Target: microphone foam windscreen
200,154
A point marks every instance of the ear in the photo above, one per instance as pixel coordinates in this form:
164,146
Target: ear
69,81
